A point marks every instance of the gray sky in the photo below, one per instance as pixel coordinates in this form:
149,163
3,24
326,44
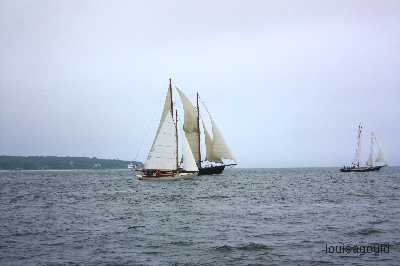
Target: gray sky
286,81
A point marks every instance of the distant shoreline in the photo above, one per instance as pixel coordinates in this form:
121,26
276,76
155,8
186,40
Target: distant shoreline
8,162
51,170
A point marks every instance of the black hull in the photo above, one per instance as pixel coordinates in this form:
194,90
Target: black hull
213,170
361,169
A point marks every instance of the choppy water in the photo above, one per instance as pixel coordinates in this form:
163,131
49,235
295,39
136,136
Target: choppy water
244,217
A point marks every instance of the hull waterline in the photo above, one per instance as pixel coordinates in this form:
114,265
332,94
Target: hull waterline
213,170
165,176
361,169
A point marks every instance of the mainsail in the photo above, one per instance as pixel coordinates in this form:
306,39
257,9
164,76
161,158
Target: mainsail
163,154
189,162
190,126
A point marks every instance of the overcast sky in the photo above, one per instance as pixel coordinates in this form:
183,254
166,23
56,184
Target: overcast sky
286,81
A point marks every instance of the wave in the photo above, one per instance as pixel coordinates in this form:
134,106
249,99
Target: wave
16,198
365,232
378,221
136,226
224,248
246,247
181,243
214,197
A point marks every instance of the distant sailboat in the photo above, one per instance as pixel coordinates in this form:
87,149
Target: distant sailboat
162,160
216,148
374,163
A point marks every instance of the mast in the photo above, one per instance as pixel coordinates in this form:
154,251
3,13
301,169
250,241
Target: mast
358,148
170,93
198,128
176,121
176,135
370,161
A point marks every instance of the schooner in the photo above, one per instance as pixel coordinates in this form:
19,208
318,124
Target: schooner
375,161
216,149
163,159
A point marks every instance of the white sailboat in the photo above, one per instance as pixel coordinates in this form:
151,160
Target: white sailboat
162,160
374,162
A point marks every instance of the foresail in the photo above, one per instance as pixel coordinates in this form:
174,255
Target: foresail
370,161
190,126
220,149
162,154
380,158
189,163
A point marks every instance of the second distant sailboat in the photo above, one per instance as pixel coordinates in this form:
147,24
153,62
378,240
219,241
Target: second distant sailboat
375,161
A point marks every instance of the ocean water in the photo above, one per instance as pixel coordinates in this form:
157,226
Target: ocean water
244,217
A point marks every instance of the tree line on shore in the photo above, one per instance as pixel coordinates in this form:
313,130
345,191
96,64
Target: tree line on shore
58,162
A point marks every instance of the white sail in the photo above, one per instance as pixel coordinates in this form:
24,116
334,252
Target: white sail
189,163
162,154
380,158
210,156
190,126
220,149
370,161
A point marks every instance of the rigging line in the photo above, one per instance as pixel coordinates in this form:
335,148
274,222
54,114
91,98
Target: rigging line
204,105
208,112
142,141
